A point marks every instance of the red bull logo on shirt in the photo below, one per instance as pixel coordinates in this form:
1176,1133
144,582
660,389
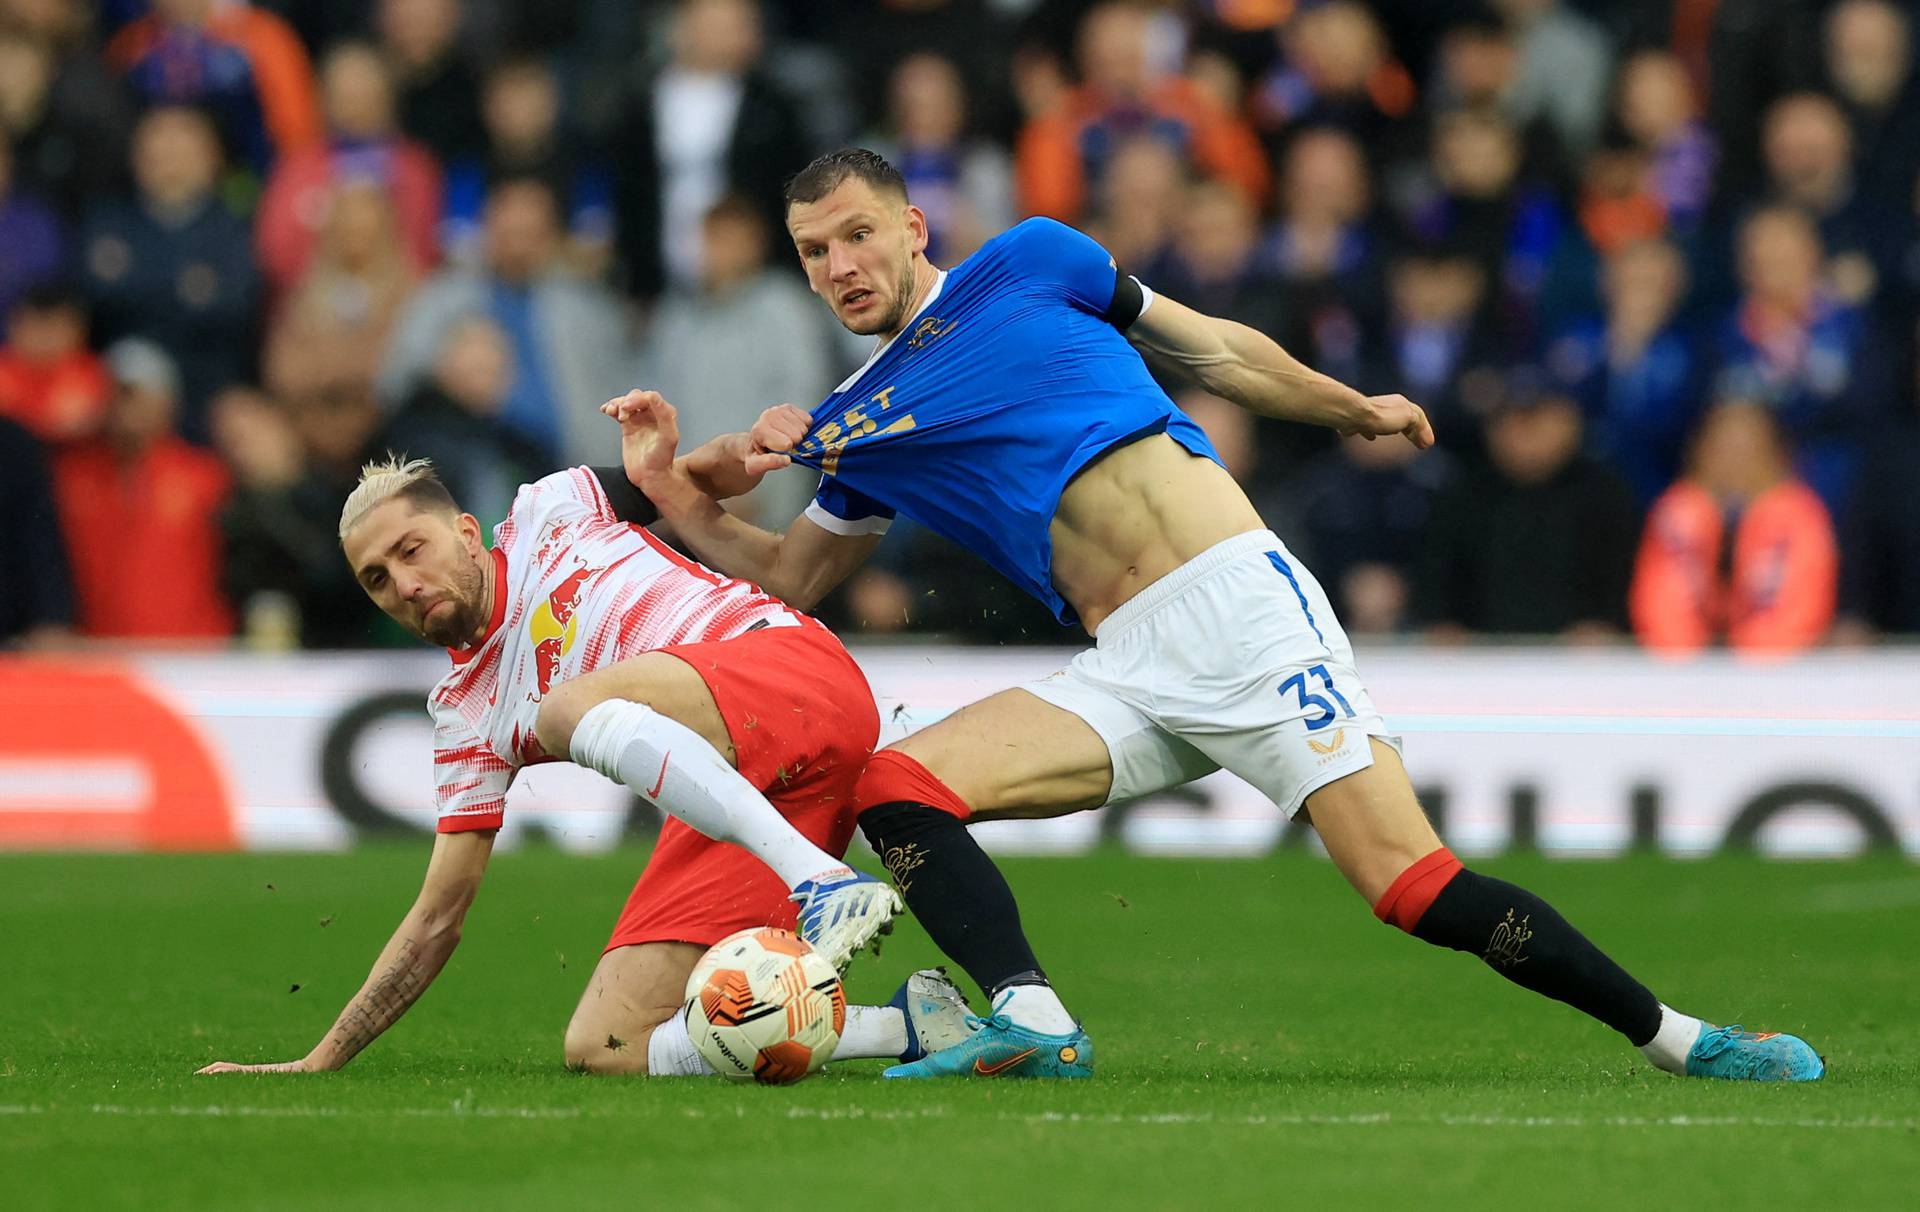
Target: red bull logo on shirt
552,627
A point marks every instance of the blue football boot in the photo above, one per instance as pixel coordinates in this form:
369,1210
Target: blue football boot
1743,1056
997,1048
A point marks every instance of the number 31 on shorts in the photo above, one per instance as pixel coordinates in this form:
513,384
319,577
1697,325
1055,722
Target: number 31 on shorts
1297,686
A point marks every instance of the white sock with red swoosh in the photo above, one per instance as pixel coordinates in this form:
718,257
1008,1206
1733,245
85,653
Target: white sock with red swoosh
676,769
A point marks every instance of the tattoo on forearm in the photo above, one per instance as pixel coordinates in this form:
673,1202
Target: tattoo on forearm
383,1001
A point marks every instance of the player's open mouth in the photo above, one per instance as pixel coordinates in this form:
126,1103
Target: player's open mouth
855,299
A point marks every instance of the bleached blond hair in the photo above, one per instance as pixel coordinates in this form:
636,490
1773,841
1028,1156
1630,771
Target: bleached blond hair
381,480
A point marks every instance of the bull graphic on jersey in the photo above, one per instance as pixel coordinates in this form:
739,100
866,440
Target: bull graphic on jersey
552,627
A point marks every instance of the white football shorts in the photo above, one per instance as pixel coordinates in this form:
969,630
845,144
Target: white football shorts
1232,660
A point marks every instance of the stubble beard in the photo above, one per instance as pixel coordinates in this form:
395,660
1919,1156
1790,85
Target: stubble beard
454,628
897,314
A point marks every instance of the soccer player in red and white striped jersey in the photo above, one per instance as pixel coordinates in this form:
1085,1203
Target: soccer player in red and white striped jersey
580,635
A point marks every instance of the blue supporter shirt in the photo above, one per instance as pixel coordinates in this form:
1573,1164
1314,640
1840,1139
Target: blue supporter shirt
529,408
1008,381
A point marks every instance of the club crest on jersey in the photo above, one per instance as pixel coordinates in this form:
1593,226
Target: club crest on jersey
929,330
552,627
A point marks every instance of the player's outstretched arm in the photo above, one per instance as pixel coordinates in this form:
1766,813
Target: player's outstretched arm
411,959
1248,367
718,466
800,565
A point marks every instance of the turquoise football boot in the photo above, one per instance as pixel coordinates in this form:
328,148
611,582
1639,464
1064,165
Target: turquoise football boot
997,1048
1743,1056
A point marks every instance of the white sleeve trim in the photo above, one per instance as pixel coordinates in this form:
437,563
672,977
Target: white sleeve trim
1146,296
818,515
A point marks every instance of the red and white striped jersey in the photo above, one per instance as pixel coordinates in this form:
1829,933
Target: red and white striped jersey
575,589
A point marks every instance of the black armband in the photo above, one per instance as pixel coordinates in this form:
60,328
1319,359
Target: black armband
1129,300
629,504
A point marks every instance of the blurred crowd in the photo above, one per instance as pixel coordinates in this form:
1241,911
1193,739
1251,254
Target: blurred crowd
1653,267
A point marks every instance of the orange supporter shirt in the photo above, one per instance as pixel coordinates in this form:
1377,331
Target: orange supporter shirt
60,401
1779,596
1052,174
143,539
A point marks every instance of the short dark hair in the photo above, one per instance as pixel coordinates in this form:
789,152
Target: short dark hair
428,494
519,65
528,179
829,172
737,208
52,295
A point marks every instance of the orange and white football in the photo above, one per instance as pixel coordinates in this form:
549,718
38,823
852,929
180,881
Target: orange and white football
764,1006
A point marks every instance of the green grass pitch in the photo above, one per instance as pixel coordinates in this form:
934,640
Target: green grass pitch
1262,1043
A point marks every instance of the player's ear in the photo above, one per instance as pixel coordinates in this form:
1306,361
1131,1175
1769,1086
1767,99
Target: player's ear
916,228
469,529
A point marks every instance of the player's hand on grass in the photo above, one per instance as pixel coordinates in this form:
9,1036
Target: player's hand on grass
778,431
299,1066
1386,416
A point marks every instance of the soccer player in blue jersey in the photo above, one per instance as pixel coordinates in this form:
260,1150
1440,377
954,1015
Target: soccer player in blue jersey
1007,406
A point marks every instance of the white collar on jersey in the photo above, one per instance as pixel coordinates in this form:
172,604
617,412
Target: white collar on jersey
939,284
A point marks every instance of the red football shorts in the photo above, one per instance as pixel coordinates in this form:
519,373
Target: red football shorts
803,724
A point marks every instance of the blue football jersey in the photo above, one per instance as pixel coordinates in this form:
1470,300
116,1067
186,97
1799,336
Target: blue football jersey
1005,384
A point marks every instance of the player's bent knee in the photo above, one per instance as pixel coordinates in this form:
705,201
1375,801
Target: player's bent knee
586,1059
579,1052
893,776
1035,788
1372,824
932,759
591,1048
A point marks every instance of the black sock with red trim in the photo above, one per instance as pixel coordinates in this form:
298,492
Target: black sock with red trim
1519,936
